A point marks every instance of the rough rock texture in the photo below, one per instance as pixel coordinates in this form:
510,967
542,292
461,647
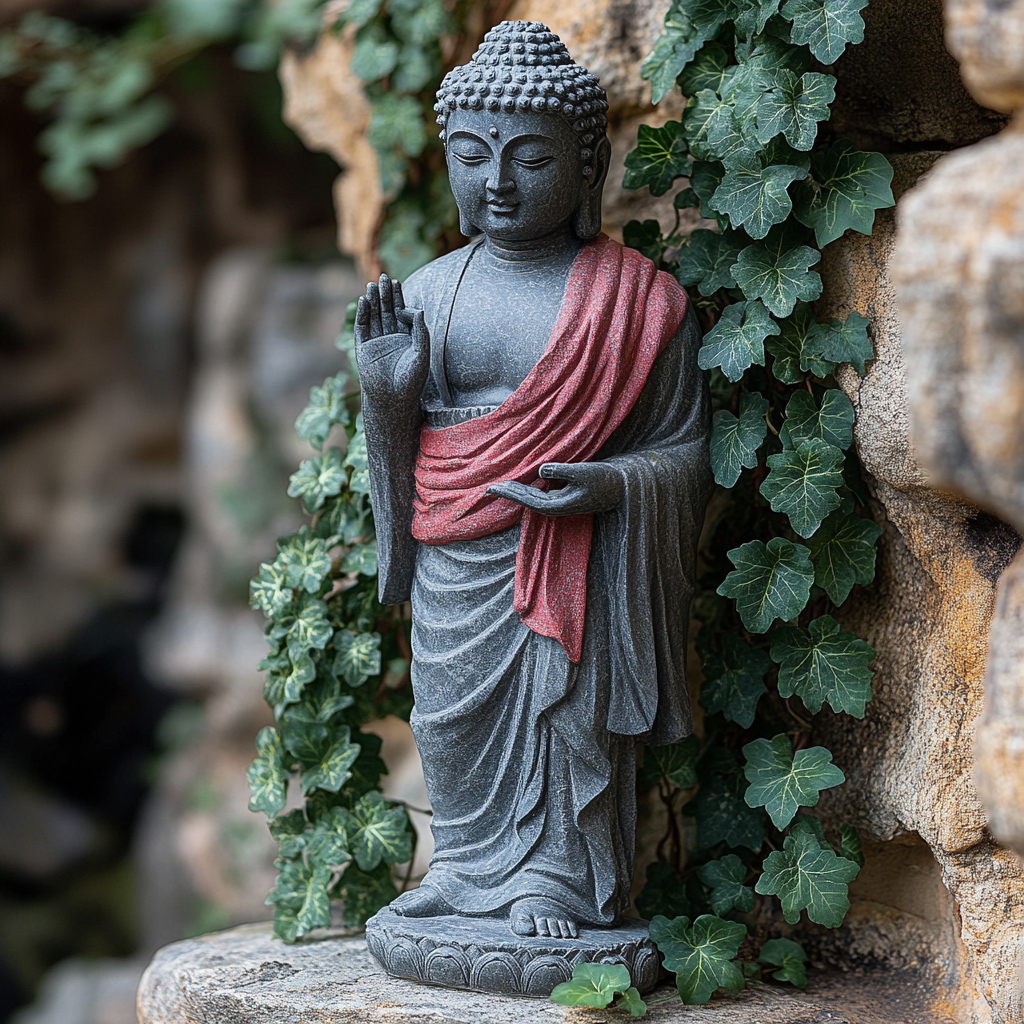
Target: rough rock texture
244,977
909,762
962,299
987,38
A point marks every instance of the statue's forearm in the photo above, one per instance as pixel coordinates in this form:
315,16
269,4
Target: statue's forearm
392,441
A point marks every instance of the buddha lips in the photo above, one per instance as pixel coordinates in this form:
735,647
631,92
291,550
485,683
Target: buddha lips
618,315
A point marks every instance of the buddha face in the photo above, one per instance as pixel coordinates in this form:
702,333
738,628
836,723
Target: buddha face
516,177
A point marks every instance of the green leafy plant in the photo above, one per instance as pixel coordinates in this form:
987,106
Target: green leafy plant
793,536
596,986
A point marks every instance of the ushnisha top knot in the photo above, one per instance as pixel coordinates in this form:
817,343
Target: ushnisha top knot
524,66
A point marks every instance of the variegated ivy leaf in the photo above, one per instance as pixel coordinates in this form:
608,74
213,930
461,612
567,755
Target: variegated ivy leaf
268,773
706,259
717,133
365,892
362,559
377,833
806,877
326,407
289,831
327,841
357,460
736,342
844,189
303,671
794,106
341,521
850,845
356,656
782,782
701,954
326,762
770,581
822,664
660,157
755,197
796,349
845,341
269,590
300,898
304,625
843,553
725,879
734,680
735,439
304,558
802,483
832,420
778,271
675,48
707,71
318,478
826,26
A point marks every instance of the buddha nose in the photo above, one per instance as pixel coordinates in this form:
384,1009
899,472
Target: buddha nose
500,188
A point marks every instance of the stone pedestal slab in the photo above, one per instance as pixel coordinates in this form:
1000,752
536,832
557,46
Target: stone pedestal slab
485,955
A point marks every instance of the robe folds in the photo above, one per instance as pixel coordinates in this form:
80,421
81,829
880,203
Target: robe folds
545,647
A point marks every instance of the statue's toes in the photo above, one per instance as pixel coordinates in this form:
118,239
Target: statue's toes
522,923
569,929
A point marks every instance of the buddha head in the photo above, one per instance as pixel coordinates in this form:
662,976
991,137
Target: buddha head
524,131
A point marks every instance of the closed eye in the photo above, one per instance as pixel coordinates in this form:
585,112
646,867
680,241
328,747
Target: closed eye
534,162
470,160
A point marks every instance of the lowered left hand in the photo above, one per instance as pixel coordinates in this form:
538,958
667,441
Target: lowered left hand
590,487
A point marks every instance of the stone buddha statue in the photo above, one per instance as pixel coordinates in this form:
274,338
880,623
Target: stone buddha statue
537,431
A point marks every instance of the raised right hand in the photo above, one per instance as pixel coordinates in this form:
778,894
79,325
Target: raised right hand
392,345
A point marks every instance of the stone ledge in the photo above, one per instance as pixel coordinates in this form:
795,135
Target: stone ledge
243,976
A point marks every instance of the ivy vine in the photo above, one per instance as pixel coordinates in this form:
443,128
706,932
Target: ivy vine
795,535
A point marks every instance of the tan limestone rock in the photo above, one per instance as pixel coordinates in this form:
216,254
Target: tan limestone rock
987,38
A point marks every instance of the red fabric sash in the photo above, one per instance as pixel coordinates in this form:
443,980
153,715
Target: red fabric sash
617,316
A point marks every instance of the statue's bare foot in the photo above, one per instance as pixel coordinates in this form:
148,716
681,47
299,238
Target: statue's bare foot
422,902
538,916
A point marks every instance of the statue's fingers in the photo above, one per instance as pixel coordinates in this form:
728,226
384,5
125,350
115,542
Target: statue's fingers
571,471
396,289
387,306
521,494
362,325
373,301
420,337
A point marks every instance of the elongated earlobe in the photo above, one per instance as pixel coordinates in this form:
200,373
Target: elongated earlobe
468,229
587,222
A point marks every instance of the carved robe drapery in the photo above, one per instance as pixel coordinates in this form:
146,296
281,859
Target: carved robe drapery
527,739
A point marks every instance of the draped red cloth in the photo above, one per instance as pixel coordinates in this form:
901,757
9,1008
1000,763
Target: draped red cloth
618,314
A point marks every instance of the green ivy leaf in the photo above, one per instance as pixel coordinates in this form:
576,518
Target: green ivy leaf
705,177
357,656
821,663
734,680
812,826
716,132
701,955
782,782
364,892
850,845
806,877
632,1002
660,157
318,478
735,439
377,833
706,259
304,558
326,762
756,197
802,482
770,581
304,625
645,238
396,122
826,26
416,68
845,341
736,342
326,407
593,985
675,48
268,591
722,815
289,831
832,421
778,272
676,762
789,957
708,70
794,106
725,880
664,892
375,56
754,16
843,191
796,348
268,774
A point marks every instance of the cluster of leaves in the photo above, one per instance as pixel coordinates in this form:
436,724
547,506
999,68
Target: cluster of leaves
328,638
792,536
100,87
600,986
